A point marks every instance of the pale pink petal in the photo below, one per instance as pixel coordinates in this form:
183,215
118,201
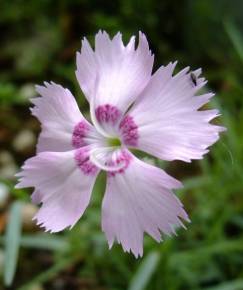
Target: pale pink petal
63,184
58,113
113,73
137,200
36,197
86,72
167,120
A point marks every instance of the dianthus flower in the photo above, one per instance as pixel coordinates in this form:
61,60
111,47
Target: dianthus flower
131,108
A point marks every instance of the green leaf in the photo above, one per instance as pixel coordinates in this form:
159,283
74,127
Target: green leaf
145,272
12,242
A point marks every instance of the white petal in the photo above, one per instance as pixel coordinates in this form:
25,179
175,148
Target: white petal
168,122
137,200
58,112
63,184
115,73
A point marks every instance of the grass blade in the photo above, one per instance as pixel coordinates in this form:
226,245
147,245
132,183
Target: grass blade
12,242
44,241
145,272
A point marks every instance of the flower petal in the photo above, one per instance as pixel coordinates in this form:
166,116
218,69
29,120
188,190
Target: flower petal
137,200
36,197
169,124
63,184
115,73
110,159
58,112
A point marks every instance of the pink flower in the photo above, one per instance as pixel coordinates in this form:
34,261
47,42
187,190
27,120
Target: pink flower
130,108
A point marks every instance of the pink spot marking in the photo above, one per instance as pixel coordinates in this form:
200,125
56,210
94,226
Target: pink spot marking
125,157
84,163
129,131
107,114
79,133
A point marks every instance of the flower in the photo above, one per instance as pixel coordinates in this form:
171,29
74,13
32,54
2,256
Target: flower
130,108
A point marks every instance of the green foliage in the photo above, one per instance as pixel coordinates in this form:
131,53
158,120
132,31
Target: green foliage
38,43
12,242
143,275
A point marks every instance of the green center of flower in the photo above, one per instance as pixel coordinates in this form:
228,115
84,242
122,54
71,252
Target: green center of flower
114,142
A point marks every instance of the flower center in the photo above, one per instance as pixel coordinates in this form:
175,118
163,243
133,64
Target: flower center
114,142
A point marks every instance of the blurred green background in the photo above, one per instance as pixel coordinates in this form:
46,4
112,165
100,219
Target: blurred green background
38,41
